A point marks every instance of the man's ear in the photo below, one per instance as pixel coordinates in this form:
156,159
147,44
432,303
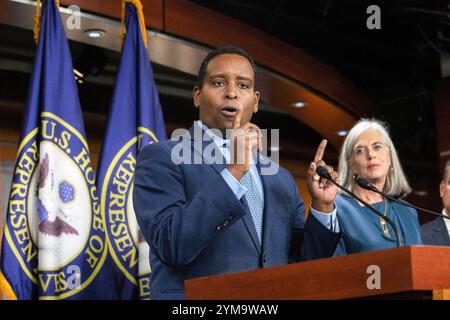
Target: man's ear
196,94
442,188
256,105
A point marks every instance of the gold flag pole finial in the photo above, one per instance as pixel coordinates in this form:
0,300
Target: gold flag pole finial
138,5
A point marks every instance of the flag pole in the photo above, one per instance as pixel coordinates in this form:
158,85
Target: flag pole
37,19
140,12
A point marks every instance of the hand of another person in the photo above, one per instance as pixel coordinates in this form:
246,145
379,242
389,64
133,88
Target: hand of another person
322,191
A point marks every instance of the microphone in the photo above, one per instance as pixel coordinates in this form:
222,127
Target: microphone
323,173
365,184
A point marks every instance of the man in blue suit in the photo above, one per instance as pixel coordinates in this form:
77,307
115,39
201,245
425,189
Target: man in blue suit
202,203
437,231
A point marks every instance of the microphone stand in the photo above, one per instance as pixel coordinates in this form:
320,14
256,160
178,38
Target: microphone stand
363,183
323,173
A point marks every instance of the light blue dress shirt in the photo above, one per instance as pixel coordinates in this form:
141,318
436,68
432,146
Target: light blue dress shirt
327,219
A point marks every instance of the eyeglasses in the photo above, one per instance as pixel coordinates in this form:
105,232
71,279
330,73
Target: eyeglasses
363,151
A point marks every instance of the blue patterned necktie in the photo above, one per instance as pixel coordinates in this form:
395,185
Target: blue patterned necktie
254,202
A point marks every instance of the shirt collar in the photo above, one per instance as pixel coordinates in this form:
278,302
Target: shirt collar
218,140
447,221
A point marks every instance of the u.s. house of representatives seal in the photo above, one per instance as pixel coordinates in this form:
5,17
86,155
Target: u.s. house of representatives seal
56,229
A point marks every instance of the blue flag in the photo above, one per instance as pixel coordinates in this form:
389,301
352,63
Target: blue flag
54,243
135,120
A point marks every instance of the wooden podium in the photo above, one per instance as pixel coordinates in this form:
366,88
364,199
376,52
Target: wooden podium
418,272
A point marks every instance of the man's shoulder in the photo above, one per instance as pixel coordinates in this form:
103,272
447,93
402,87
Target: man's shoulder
430,225
160,145
158,149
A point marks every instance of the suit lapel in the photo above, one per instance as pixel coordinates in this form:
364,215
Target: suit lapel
198,147
440,233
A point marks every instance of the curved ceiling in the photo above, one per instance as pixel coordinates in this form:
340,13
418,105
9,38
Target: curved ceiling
285,74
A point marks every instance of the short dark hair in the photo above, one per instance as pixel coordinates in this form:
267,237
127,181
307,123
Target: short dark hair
218,51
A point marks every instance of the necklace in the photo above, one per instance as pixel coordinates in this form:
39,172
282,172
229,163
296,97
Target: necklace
383,222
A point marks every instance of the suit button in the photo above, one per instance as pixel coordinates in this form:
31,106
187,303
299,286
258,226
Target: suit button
264,258
231,217
218,228
225,223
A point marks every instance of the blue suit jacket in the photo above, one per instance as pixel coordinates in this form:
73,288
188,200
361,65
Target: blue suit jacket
361,230
435,233
196,226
